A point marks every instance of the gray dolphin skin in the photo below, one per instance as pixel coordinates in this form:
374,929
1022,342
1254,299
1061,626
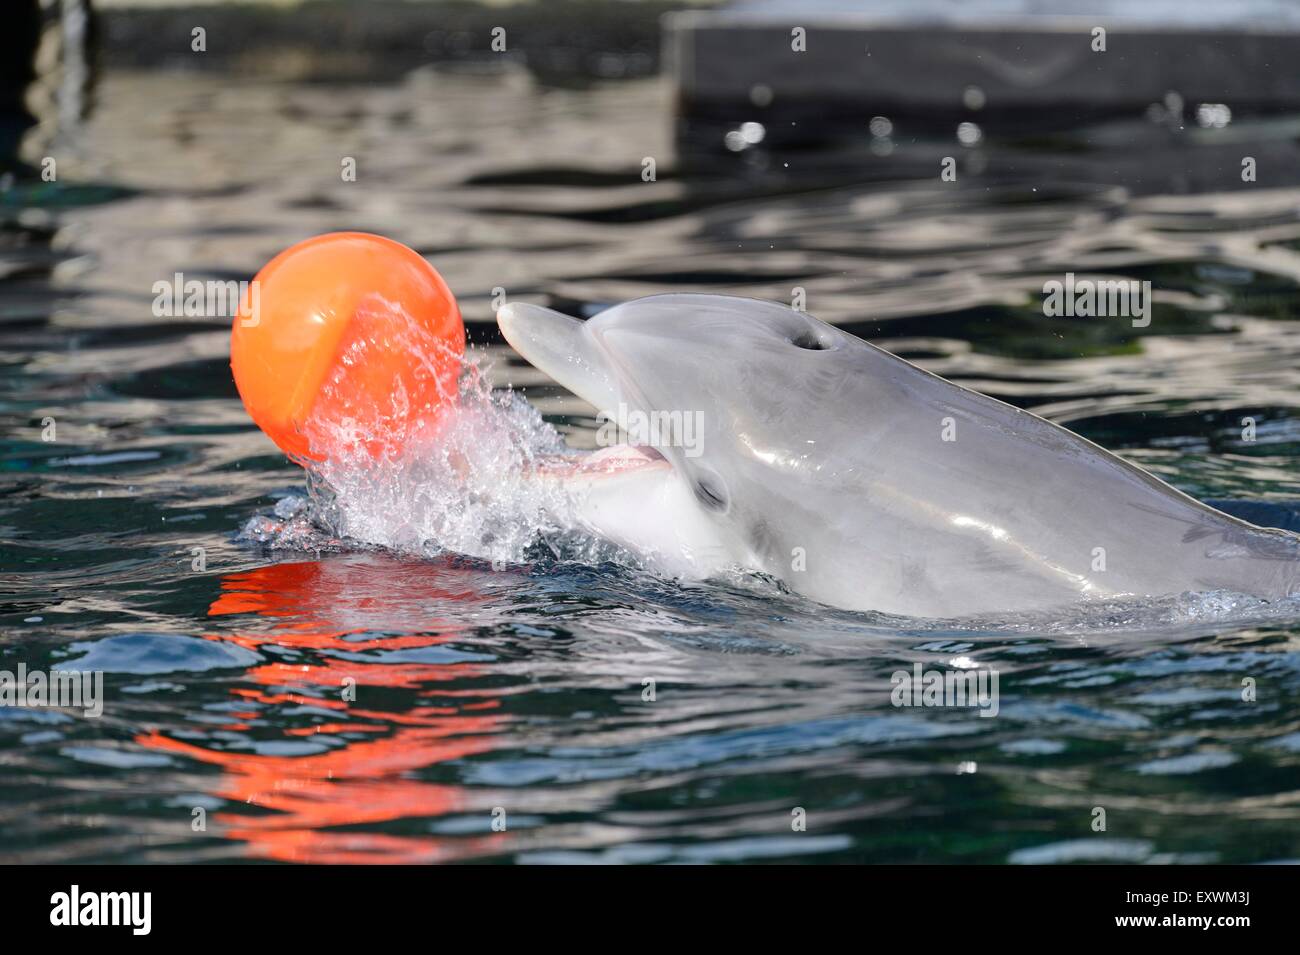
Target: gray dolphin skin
866,483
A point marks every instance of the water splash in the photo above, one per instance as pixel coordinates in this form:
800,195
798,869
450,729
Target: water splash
459,481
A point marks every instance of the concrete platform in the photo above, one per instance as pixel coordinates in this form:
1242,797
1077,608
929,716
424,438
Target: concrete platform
948,59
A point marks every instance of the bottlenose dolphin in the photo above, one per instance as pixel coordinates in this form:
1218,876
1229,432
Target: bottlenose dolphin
861,480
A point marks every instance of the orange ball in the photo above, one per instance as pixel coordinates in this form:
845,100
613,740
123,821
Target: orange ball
346,341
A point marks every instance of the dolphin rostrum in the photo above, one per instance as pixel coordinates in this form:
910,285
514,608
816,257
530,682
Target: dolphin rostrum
788,446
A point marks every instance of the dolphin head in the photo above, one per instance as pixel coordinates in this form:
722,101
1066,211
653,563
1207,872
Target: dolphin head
731,391
793,448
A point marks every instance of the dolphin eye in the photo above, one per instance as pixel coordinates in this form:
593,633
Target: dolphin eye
710,492
810,340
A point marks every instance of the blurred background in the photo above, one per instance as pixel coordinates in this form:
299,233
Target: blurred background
577,153
512,143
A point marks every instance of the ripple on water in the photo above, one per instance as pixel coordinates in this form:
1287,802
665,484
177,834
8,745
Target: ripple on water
149,653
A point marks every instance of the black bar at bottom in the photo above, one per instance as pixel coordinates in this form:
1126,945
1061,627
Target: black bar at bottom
300,904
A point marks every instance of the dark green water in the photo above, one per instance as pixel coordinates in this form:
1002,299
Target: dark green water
518,695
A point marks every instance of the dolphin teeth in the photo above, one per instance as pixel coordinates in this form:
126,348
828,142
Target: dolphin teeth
627,454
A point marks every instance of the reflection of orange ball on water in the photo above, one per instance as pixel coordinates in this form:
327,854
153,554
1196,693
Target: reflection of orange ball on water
346,333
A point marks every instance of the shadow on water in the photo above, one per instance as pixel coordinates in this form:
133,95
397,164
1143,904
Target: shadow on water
604,714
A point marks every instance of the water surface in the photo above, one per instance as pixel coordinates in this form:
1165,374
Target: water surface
522,690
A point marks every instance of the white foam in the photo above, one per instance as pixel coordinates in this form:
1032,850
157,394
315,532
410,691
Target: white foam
465,489
464,485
